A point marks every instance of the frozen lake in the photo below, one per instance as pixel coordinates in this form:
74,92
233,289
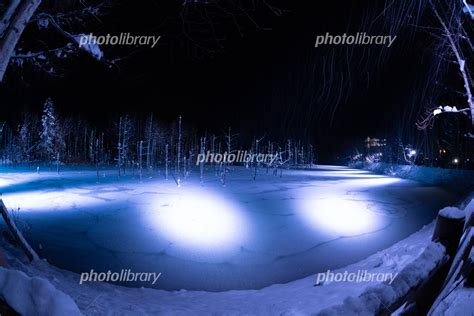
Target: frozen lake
246,235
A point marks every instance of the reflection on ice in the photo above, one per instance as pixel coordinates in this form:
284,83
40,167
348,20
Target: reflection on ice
372,182
196,218
342,217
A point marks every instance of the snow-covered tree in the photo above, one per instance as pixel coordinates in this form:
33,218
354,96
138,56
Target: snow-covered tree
50,135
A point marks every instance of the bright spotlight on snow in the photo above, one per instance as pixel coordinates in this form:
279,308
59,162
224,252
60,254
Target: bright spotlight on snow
38,201
3,182
342,217
196,218
372,181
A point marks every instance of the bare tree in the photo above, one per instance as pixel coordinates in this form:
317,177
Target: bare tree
454,46
178,159
140,160
202,152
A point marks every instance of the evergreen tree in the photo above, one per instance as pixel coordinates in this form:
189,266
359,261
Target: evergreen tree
49,132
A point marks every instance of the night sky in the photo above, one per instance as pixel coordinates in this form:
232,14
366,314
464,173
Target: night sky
257,82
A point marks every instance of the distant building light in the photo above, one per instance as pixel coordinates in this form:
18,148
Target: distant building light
375,142
456,160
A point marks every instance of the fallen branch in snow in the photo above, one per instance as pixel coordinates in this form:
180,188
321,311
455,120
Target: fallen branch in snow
30,253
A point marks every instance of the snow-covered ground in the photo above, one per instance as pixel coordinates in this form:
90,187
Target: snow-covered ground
246,235
299,297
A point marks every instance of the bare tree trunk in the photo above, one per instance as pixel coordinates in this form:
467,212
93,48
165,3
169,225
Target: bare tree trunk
13,32
166,162
149,143
57,162
97,157
119,158
202,151
256,160
8,16
140,160
178,175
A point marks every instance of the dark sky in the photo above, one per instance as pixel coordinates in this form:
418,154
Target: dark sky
258,82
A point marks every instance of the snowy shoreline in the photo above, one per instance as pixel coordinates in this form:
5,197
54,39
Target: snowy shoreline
457,179
299,297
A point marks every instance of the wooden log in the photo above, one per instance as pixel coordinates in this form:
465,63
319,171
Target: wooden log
448,231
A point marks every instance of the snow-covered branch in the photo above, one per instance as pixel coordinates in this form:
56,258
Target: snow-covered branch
463,67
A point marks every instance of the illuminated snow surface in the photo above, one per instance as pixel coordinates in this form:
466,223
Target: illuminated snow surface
245,235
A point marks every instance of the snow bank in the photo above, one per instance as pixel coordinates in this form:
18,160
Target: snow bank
299,297
34,296
380,297
457,179
452,212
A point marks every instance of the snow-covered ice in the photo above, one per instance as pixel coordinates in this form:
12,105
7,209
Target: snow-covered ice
298,297
246,235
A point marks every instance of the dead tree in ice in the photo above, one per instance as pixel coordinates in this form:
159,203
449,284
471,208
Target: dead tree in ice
166,161
119,148
256,155
97,158
224,166
125,131
178,159
290,154
140,160
149,142
201,162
